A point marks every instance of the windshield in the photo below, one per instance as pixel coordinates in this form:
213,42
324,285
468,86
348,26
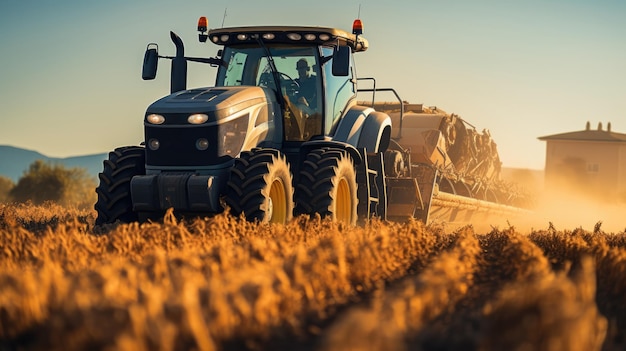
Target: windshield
299,83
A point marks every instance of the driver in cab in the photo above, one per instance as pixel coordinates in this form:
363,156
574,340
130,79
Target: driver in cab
306,97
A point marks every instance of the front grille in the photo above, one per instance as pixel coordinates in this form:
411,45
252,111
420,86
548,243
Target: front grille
177,144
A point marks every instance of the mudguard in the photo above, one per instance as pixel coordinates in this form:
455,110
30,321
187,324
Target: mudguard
349,128
363,127
376,133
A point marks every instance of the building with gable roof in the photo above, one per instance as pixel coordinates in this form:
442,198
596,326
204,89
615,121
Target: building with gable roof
590,161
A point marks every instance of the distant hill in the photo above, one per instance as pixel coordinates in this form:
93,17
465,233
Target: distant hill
14,161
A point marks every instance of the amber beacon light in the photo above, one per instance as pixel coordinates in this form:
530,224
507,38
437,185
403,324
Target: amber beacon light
357,27
202,28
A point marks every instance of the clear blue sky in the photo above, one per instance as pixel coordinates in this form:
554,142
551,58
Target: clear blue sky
70,71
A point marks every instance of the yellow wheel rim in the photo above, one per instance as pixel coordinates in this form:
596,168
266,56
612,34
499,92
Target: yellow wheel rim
343,202
277,211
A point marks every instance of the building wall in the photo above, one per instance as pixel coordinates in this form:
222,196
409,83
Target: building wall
622,171
588,167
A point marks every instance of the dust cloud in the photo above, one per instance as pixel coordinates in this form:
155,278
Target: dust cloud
566,205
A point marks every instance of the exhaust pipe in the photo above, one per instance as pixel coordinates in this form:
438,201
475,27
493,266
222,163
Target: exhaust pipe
178,80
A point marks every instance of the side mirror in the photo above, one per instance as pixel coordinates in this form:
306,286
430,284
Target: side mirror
341,61
150,61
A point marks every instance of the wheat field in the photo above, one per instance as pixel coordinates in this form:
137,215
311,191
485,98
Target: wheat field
224,284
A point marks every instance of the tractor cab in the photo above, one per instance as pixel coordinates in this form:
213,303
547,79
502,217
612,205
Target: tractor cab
308,68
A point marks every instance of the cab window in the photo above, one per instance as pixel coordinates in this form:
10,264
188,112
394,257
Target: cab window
300,89
339,91
233,75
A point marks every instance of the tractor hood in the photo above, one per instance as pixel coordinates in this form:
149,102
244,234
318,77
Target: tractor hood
207,127
217,102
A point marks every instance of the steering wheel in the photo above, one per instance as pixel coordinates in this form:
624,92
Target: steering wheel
291,85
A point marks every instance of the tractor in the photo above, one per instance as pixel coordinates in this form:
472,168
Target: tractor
281,134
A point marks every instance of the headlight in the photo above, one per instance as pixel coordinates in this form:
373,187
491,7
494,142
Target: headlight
197,118
294,36
309,36
202,144
153,144
155,119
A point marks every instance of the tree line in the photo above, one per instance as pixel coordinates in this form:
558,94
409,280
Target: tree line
43,182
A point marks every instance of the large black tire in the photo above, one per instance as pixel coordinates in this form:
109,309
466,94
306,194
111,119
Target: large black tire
260,187
114,199
327,185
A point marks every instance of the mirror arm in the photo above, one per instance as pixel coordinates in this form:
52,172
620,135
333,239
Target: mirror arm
210,60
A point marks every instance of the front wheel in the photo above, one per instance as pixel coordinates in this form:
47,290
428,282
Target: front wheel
328,186
260,187
114,199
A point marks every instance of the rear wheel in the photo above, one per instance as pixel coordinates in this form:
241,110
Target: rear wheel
114,199
394,164
260,187
328,186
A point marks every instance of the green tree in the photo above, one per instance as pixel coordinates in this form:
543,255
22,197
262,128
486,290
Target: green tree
6,184
53,182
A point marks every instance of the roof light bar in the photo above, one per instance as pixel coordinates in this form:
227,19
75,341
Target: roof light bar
244,36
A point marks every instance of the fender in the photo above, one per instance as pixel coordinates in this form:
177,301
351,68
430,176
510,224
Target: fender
363,127
349,128
375,133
